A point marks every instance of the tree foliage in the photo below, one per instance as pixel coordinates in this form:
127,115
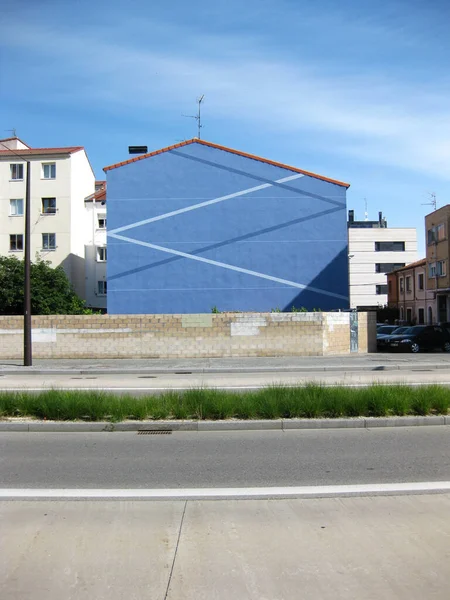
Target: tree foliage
51,291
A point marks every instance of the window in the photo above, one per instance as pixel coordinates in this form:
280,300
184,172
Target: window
101,222
102,288
389,246
409,315
49,241
101,254
48,206
437,269
17,171
421,316
387,267
381,289
408,284
49,170
420,281
16,242
401,284
389,287
16,207
436,234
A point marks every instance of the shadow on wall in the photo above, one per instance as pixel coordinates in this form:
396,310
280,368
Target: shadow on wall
248,236
74,266
329,278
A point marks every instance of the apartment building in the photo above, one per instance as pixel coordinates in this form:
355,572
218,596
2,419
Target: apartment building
407,291
438,252
95,248
374,250
60,180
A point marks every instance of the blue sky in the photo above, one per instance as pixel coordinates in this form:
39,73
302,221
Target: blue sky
355,90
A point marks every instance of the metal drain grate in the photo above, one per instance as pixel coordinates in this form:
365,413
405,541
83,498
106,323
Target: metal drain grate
154,431
147,377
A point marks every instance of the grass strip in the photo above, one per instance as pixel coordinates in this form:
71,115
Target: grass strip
274,402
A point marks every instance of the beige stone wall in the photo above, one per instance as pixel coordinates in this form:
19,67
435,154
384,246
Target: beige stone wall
183,336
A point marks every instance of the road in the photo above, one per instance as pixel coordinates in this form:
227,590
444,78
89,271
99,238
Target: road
392,547
224,459
145,384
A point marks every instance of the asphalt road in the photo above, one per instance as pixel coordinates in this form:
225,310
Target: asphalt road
157,383
228,459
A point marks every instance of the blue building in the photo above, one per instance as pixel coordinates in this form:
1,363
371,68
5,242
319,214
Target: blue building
197,225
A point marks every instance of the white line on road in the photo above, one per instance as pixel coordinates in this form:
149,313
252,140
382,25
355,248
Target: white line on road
320,491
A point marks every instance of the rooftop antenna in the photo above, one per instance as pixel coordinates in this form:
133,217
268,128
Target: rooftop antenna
198,116
366,214
13,131
433,201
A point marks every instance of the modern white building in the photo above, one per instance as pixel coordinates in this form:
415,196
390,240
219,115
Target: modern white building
60,180
95,248
375,249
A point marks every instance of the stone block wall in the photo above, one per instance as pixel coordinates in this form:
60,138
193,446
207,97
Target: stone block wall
187,336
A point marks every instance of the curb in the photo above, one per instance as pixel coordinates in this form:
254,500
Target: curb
19,371
198,426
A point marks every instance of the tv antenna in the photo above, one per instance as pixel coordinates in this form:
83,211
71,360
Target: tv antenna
366,214
13,131
433,201
198,116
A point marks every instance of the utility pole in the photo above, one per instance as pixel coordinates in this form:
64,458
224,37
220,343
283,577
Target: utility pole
27,341
27,349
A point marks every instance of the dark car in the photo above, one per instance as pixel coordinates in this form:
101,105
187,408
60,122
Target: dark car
384,331
420,337
383,338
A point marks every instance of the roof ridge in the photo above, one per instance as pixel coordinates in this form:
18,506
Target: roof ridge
225,149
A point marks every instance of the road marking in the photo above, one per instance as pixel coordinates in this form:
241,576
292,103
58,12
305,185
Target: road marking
319,491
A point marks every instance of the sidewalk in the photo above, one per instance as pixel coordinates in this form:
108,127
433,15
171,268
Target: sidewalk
367,362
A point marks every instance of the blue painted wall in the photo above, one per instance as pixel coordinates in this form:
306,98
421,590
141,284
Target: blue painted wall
280,245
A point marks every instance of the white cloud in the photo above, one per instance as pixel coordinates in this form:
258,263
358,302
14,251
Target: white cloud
367,116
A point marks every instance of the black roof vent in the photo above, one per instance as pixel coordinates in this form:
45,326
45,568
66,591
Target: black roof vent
137,149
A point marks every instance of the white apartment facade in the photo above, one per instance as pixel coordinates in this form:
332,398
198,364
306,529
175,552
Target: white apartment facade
95,247
60,180
375,250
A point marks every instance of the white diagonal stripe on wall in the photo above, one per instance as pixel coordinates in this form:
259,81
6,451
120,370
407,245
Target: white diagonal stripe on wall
180,211
222,265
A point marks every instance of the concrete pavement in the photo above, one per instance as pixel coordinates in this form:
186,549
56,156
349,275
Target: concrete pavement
377,361
332,549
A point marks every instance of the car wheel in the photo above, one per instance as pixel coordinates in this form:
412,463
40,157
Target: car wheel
415,347
446,347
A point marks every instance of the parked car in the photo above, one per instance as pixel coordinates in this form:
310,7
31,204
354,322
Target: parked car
420,337
383,338
384,331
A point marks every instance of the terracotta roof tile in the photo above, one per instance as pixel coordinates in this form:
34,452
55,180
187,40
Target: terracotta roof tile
225,149
41,151
419,263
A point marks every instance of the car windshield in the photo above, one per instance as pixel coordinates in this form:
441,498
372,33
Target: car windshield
415,330
401,330
387,329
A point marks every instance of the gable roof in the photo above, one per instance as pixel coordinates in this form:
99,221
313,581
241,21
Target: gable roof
41,151
225,149
10,139
419,263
